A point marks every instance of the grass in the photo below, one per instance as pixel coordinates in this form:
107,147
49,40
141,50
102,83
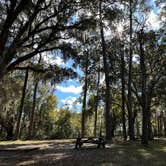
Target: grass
62,153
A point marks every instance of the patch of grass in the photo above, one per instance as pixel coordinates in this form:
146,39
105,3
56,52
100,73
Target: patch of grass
33,141
19,142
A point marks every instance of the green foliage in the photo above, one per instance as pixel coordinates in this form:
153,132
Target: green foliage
63,124
9,102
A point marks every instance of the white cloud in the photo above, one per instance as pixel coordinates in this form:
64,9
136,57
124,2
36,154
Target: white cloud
71,102
153,21
59,61
70,89
48,59
70,80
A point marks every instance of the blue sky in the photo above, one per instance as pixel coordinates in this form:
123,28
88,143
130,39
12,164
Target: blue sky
68,92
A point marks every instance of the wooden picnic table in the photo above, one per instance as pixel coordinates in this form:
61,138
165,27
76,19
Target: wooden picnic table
99,141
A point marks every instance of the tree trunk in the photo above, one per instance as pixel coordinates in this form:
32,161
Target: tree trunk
160,126
31,123
150,132
114,123
9,131
9,134
84,99
96,104
137,128
164,126
155,129
130,114
22,125
32,114
20,111
95,120
2,68
144,91
108,116
162,123
123,94
1,128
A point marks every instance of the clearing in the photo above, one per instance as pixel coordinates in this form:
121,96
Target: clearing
62,153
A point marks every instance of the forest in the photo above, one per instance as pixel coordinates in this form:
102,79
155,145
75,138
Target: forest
115,49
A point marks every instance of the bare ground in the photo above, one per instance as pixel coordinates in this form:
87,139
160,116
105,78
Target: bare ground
62,153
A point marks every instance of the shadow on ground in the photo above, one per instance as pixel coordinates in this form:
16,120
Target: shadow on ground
62,153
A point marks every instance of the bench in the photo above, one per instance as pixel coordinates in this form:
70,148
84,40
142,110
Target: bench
99,141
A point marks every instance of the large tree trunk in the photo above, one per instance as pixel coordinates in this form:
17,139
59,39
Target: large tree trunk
108,116
96,105
143,90
20,111
84,98
123,94
130,114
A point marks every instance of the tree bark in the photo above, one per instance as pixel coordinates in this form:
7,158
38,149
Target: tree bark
84,98
20,111
31,123
108,116
32,114
130,114
96,105
164,126
143,90
137,128
159,126
9,130
123,94
2,68
150,132
114,123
